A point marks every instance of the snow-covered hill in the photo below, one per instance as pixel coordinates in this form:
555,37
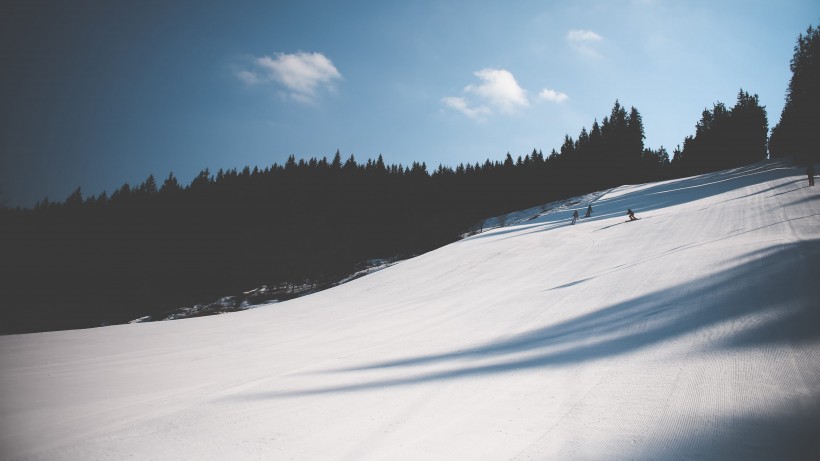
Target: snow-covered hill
693,333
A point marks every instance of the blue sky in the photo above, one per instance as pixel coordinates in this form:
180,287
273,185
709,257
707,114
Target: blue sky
95,94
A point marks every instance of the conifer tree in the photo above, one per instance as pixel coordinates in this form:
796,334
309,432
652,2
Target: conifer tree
797,133
150,185
171,184
336,164
75,198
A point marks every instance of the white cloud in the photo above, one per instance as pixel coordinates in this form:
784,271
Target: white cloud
461,105
301,74
552,96
582,41
498,91
576,35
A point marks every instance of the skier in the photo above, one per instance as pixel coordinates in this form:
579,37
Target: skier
574,217
810,173
631,215
589,212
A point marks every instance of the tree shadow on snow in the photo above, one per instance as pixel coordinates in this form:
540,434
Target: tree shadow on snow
770,298
785,433
803,200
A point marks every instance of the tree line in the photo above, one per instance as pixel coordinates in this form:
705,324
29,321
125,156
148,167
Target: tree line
149,248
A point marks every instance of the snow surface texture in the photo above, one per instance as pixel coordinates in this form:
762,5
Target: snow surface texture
693,333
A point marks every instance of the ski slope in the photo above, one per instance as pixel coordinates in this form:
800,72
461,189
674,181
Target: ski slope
693,333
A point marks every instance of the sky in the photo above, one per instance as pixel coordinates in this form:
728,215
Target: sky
96,94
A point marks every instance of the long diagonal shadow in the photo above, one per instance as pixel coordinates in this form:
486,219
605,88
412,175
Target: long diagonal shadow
738,292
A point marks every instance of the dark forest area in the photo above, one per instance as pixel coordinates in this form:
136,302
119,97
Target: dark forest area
147,249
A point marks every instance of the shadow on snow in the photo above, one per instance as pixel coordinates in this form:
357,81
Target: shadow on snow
770,298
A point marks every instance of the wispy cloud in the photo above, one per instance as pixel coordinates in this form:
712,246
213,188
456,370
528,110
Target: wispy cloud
576,35
301,75
583,42
248,78
498,91
461,105
552,96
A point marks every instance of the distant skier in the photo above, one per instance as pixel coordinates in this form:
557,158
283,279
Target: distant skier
589,212
574,217
810,173
631,214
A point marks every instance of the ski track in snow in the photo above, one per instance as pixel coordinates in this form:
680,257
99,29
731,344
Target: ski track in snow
693,333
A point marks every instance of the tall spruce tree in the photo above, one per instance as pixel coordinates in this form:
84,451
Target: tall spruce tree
797,133
750,129
633,145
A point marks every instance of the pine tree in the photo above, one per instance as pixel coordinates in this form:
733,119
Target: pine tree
75,198
201,181
636,133
750,128
336,164
170,185
149,186
568,147
582,144
797,134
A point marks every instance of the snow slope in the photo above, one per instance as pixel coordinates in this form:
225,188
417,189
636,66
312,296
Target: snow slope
693,333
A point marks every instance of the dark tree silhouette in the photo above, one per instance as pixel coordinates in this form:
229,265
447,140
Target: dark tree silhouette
725,138
797,134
